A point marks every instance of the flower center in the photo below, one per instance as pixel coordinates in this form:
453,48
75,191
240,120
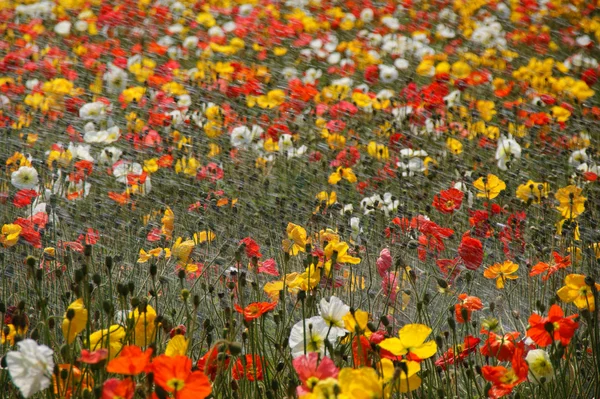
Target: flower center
176,384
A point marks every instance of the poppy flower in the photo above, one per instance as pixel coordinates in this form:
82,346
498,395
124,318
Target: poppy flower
432,236
211,364
296,241
501,347
269,267
470,251
174,374
468,304
559,263
577,290
532,192
23,198
93,357
75,381
75,320
255,310
448,201
28,232
545,330
459,353
118,389
10,235
249,368
251,247
131,361
502,272
504,380
342,173
361,349
571,202
411,342
311,368
489,187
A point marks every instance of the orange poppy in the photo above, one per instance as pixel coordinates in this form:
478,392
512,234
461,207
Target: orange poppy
559,263
502,347
503,379
131,361
250,368
174,374
117,389
255,310
75,380
545,330
469,304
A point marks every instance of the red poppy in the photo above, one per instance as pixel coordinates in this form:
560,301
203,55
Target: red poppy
432,236
559,263
249,368
590,176
503,379
251,247
28,232
502,347
269,267
174,374
93,357
255,310
211,365
154,235
211,171
450,267
23,198
470,251
448,201
469,304
131,361
179,330
118,389
121,199
165,161
544,330
459,353
477,78
347,158
479,220
361,350
91,236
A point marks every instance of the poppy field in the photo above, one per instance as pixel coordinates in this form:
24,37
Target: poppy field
312,199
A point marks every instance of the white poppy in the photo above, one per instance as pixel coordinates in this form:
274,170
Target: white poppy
508,149
333,312
310,333
387,73
110,155
540,365
124,168
241,137
63,28
366,15
578,157
30,367
81,151
285,143
93,111
25,178
115,78
355,227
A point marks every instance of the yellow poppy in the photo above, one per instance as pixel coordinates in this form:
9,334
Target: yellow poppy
77,323
489,187
502,272
411,340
